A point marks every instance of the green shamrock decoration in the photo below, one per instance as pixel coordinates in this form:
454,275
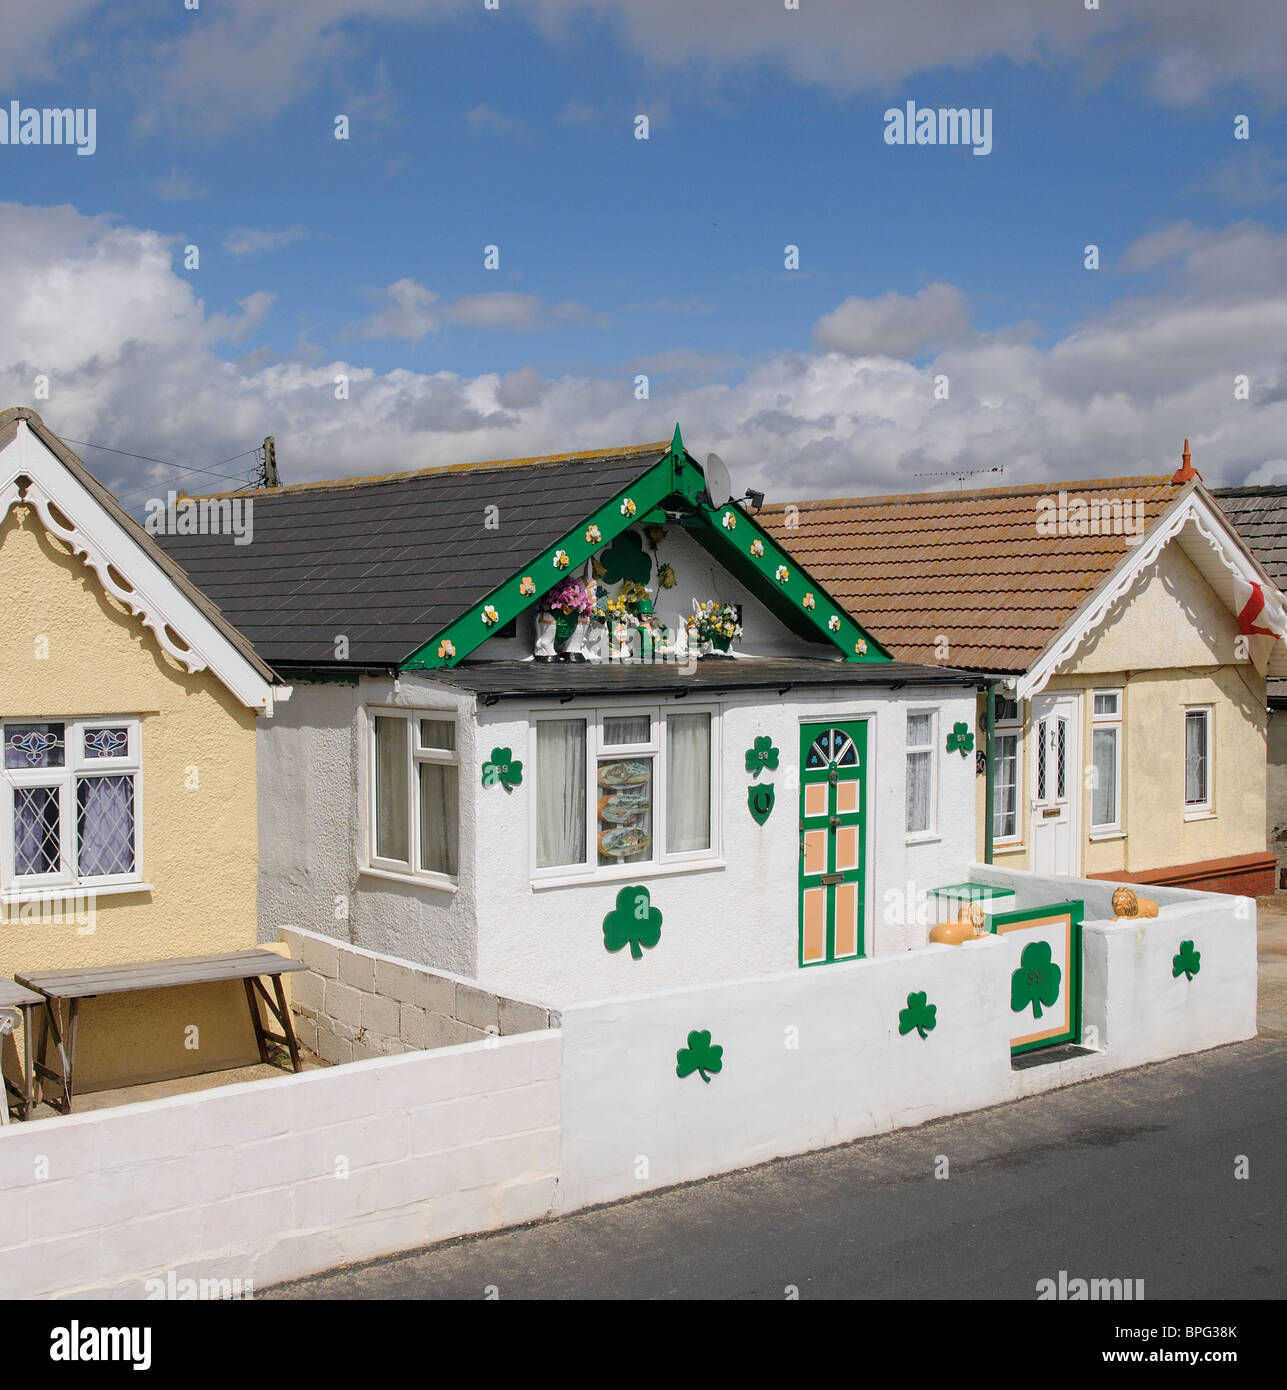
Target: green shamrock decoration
634,922
960,740
760,801
761,756
1187,963
918,1014
699,1056
1036,981
625,558
503,770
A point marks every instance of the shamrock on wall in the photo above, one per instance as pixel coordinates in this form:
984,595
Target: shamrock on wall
634,922
502,770
761,756
1187,963
1036,981
699,1056
918,1014
960,740
626,558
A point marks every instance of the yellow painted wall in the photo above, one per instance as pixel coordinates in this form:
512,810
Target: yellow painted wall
199,845
1169,644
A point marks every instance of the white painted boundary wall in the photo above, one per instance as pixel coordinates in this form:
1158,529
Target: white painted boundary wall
241,1182
852,1073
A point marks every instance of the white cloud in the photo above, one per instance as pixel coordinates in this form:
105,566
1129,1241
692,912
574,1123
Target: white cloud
487,118
894,325
136,360
409,315
412,311
251,241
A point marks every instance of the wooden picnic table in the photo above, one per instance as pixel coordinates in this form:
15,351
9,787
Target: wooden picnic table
15,996
53,986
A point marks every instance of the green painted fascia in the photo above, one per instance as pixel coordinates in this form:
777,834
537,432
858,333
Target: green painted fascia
673,473
677,480
732,547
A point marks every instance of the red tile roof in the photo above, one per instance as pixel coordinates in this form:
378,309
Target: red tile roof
969,566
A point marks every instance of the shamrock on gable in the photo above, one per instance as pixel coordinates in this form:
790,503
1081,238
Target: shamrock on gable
626,558
763,755
634,922
503,770
960,740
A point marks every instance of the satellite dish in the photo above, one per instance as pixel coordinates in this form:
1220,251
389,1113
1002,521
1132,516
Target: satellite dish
718,487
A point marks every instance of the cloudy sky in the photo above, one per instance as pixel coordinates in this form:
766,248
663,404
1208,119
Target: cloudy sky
924,271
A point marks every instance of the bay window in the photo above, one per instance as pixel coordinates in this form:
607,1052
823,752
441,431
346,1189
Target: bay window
415,793
70,811
622,788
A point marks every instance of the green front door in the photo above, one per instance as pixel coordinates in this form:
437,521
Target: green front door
833,821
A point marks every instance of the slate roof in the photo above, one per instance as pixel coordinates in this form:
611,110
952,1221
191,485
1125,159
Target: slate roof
388,561
107,500
1260,516
968,565
503,679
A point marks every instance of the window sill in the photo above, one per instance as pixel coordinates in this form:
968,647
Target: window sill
627,872
442,885
1015,847
16,897
1199,815
1099,836
922,837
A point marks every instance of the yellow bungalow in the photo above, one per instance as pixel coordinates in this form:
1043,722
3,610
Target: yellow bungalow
128,817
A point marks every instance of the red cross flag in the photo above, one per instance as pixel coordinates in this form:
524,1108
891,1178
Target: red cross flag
1258,615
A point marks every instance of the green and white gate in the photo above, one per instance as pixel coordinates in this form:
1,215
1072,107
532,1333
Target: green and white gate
1044,960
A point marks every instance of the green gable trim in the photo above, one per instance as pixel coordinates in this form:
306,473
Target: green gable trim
802,604
674,481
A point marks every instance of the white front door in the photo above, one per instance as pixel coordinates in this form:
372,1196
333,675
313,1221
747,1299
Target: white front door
1055,805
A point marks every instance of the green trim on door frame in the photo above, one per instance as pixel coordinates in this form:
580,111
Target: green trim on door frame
857,730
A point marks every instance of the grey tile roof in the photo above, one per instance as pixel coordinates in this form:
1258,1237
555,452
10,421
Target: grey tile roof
388,561
1260,516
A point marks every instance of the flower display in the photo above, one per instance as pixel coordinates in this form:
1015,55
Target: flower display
569,597
628,508
446,650
860,647
527,585
561,559
757,548
833,623
666,576
656,534
729,520
783,574
808,600
714,622
593,535
490,616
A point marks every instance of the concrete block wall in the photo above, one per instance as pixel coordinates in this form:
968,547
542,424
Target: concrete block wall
353,1004
269,1180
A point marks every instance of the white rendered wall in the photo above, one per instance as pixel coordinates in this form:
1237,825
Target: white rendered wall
814,1057
729,922
272,1180
313,785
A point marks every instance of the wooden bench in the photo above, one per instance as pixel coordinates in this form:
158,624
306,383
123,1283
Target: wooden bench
251,967
14,996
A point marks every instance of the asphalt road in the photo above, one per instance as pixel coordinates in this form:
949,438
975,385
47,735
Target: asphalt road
1131,1177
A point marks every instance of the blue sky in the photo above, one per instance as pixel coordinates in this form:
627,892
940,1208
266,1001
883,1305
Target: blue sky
514,127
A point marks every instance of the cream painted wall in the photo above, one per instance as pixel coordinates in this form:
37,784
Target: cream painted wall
1170,643
199,847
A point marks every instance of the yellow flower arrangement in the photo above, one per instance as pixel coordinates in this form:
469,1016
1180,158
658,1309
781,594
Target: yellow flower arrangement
833,623
808,600
446,650
729,520
783,574
757,548
527,585
593,535
628,508
490,616
860,647
561,560
666,576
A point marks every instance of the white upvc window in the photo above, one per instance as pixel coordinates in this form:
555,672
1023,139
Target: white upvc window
922,790
1106,760
1198,768
414,794
1007,816
620,788
71,811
